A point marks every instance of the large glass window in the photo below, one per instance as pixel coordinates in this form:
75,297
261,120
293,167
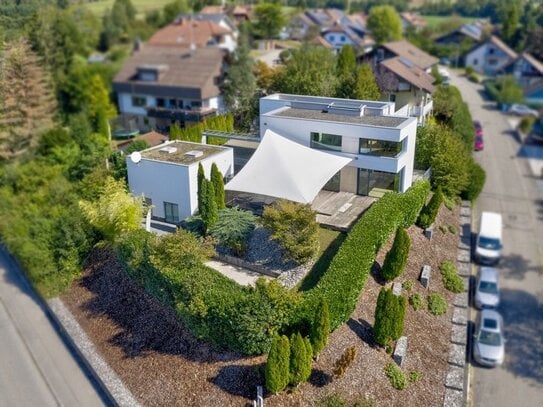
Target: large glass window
139,101
171,212
323,141
376,183
333,183
380,147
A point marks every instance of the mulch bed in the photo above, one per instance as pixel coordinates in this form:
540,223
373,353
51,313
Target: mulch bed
162,363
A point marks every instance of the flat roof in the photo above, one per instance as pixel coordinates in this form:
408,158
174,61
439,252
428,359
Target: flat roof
180,156
381,121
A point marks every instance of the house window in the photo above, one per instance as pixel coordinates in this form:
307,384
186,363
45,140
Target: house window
379,148
492,62
323,141
333,183
160,102
375,183
491,51
171,212
196,104
343,38
172,104
475,62
332,38
392,98
139,101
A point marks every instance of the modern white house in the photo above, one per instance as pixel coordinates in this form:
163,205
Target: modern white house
376,148
167,176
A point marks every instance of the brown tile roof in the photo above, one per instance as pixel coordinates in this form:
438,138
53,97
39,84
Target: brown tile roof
501,45
318,40
410,73
152,138
414,19
186,31
237,10
407,50
183,73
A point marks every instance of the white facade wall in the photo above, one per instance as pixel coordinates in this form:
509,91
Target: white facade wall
480,59
476,59
299,130
126,106
228,43
338,40
163,181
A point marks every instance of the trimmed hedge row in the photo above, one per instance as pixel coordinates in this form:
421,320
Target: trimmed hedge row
340,286
246,319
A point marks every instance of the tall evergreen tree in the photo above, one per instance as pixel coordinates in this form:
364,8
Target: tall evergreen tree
320,328
218,185
200,179
277,368
240,85
308,365
346,61
396,258
208,210
389,317
366,86
27,103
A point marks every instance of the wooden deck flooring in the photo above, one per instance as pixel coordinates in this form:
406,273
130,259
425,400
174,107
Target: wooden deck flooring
340,210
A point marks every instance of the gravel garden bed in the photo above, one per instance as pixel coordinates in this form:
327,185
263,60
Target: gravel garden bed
164,364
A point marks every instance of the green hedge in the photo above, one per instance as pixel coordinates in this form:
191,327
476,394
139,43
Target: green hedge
477,182
342,283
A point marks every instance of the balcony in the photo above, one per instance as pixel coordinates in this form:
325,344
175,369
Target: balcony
421,111
190,115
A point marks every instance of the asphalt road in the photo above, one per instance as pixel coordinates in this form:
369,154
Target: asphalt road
517,194
36,366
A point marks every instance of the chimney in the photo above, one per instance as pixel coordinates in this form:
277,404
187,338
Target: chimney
138,45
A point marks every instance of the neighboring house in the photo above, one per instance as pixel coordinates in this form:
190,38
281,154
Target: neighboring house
413,20
336,27
490,57
526,69
239,13
152,138
196,32
161,85
340,35
467,32
406,50
401,81
534,93
380,144
167,176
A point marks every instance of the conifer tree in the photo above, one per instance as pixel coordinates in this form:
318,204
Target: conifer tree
366,87
396,258
218,185
208,210
277,366
298,359
320,328
389,317
308,365
201,177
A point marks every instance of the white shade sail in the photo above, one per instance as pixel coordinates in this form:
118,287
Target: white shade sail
282,168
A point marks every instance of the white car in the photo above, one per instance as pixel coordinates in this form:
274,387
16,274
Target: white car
487,289
522,110
488,342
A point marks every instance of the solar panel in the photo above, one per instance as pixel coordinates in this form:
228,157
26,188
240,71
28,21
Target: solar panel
406,62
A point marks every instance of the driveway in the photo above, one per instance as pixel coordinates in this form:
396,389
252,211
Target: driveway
36,367
513,190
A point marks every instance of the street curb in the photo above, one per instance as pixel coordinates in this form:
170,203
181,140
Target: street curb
108,378
106,396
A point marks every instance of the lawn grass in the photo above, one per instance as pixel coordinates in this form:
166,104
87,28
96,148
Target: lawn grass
435,21
142,6
330,242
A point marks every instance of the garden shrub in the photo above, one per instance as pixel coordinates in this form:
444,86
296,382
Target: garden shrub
414,376
452,229
396,258
469,70
320,328
477,177
389,317
473,77
429,213
332,400
437,305
277,370
346,360
300,360
233,228
396,376
417,301
407,285
526,124
295,227
451,280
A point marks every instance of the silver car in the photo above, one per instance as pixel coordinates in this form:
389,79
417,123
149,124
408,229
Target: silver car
488,342
487,288
522,110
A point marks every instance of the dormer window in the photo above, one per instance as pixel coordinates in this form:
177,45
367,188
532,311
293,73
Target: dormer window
150,73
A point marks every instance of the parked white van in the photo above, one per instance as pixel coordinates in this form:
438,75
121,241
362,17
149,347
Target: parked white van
489,240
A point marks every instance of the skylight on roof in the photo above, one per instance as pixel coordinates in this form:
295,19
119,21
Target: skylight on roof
406,62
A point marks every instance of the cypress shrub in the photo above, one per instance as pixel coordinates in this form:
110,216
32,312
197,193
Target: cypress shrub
389,317
277,365
201,177
320,328
208,211
343,363
308,365
233,228
298,360
218,185
396,258
477,182
429,212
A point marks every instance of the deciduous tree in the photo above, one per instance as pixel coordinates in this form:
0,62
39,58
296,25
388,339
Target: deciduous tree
385,24
269,20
